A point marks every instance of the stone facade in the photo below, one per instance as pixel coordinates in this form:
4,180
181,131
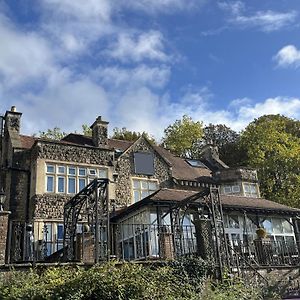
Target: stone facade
3,234
125,170
49,206
75,154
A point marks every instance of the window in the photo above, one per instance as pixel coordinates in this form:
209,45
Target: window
70,179
53,235
231,189
61,184
143,188
250,189
143,163
50,183
196,163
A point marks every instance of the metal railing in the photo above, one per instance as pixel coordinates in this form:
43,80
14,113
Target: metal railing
151,241
262,252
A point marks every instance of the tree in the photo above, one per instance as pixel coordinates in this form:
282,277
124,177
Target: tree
227,141
272,146
53,134
182,136
86,129
127,135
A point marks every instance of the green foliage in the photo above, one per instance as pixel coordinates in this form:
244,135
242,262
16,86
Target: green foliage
127,135
227,141
182,136
107,281
53,134
272,146
86,130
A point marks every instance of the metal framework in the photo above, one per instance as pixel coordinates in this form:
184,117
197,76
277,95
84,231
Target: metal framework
209,219
91,206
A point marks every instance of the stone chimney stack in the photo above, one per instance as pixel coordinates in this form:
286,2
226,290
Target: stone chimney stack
99,132
210,153
13,120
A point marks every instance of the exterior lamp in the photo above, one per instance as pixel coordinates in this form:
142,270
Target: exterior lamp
2,199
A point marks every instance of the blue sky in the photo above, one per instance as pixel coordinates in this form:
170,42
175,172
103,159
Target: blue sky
142,64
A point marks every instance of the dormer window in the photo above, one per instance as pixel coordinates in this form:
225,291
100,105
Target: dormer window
231,189
250,189
143,163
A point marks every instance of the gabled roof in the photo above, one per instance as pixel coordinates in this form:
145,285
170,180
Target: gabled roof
181,169
235,203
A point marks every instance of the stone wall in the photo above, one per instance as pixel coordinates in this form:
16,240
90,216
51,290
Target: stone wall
125,169
69,153
236,174
3,234
49,206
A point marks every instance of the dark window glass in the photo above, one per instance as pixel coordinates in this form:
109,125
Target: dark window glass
144,163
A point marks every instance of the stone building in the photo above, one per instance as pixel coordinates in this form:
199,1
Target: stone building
39,176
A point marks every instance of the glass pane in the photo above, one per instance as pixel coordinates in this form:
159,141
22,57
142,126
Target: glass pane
233,222
253,188
72,170
136,196
50,169
71,185
277,226
82,172
82,183
236,189
92,172
144,185
227,189
61,184
136,184
50,184
61,170
267,224
287,227
152,186
47,232
103,173
246,188
145,194
60,231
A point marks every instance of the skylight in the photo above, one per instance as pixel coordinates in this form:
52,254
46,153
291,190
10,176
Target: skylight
196,163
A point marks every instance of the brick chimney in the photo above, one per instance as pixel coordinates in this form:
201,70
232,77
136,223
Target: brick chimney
99,132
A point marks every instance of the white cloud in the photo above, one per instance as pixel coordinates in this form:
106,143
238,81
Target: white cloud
23,55
266,21
162,6
116,77
137,47
75,24
64,103
288,56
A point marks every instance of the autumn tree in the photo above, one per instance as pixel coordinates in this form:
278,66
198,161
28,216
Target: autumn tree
183,136
272,146
53,134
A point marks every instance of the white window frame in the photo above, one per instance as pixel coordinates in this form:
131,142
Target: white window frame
140,189
88,177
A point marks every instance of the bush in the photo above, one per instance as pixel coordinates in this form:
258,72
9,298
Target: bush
107,281
182,279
